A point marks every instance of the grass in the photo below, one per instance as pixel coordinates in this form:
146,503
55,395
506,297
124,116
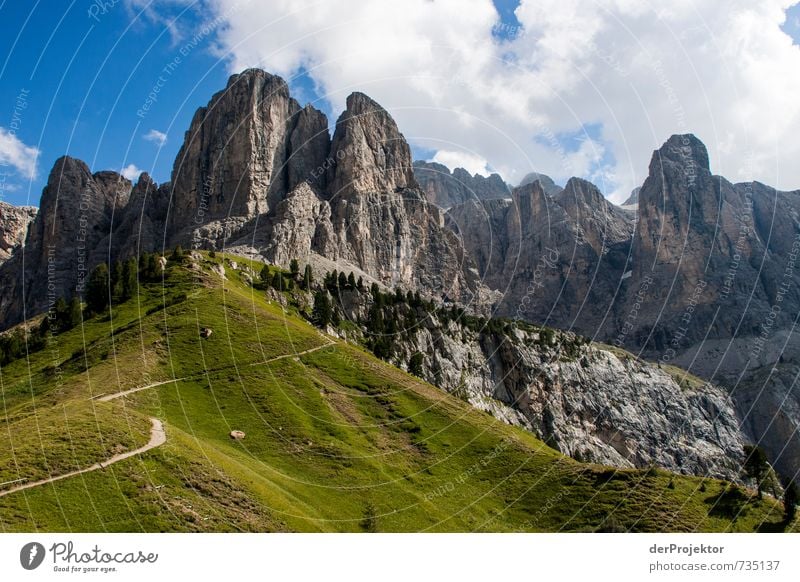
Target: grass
336,440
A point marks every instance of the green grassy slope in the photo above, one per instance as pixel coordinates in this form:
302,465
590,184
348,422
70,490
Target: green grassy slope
336,439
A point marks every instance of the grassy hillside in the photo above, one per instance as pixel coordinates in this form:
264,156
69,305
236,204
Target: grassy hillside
336,440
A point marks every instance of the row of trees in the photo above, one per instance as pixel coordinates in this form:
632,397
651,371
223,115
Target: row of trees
282,281
104,287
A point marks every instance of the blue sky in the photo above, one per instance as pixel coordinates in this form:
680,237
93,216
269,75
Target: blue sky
85,77
76,80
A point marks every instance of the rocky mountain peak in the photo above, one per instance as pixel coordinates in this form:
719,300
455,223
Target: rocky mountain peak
549,186
369,152
530,200
580,192
447,190
233,165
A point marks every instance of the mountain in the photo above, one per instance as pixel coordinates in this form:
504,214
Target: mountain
548,185
633,199
446,189
703,277
213,405
693,279
555,259
78,211
260,175
14,221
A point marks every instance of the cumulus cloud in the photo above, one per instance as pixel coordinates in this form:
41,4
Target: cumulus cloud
635,72
470,162
22,158
131,172
156,137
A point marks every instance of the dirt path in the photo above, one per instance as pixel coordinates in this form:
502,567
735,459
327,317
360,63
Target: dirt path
157,434
157,438
108,397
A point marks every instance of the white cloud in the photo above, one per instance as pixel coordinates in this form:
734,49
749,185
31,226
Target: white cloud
470,162
722,69
156,136
131,172
14,153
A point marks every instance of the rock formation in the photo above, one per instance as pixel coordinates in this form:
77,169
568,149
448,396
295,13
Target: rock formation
446,189
14,221
78,210
591,402
548,185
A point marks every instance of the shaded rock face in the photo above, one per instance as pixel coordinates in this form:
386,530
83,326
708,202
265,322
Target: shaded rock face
78,211
446,189
14,221
554,258
380,218
141,226
352,199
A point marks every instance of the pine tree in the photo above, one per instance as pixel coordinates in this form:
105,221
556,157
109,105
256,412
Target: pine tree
116,283
360,284
265,277
75,312
150,269
415,364
351,281
756,466
97,289
294,268
277,281
342,281
321,313
177,254
790,502
130,280
307,278
61,310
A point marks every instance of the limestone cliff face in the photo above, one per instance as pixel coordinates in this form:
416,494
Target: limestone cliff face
14,221
446,189
591,402
259,174
596,406
78,210
142,223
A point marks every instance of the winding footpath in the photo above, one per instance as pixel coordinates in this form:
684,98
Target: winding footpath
107,397
158,435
